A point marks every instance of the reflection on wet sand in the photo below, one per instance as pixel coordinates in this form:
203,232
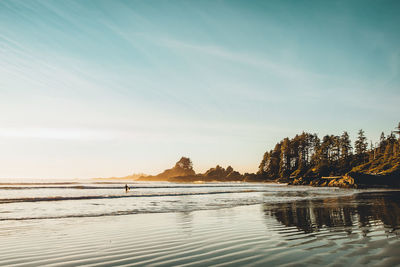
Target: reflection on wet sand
360,211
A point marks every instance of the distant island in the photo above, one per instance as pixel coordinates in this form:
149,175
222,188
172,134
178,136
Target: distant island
308,160
183,172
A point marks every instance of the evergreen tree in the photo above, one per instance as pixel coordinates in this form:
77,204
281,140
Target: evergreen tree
285,158
335,140
360,146
345,152
303,152
371,151
306,155
345,145
316,146
184,163
382,143
261,167
273,163
323,156
382,139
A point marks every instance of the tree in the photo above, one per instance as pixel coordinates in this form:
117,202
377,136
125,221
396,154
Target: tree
335,140
371,152
315,148
382,144
345,152
284,165
345,145
218,171
184,163
307,156
303,152
322,162
274,161
228,170
361,146
263,163
382,139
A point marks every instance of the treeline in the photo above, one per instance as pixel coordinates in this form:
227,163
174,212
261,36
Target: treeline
306,155
183,172
309,158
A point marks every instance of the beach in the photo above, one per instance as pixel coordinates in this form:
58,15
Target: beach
215,224
199,133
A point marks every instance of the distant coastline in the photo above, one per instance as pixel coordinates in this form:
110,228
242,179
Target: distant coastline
307,160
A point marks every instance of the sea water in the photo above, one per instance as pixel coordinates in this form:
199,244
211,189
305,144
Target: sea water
98,222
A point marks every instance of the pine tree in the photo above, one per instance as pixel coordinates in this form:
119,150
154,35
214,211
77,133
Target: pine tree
371,152
303,152
273,163
306,156
184,163
345,152
284,166
261,167
315,148
323,156
382,139
361,146
382,143
345,145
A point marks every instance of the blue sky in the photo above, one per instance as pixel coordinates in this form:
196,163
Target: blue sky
107,88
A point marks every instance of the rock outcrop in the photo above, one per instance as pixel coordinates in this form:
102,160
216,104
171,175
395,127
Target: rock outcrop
352,180
183,167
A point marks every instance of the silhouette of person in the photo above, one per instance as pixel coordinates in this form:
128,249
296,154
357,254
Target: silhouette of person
126,188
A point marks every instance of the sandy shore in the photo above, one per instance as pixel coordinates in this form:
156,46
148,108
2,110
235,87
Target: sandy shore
247,235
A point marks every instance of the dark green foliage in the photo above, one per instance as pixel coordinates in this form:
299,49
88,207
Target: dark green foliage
345,152
361,146
306,155
184,163
220,174
269,166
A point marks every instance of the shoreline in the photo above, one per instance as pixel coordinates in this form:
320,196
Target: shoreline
345,181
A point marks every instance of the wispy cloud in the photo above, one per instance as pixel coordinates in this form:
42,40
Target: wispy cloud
57,134
239,57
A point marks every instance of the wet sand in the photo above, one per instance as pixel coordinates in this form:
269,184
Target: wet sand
341,231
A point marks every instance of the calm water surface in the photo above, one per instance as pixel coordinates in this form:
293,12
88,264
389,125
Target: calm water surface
97,223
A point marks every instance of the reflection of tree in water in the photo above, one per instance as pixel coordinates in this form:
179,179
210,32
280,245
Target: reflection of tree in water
364,210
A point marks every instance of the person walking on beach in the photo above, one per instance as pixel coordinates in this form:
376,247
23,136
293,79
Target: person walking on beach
126,188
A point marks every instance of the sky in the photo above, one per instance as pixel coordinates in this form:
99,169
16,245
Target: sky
110,88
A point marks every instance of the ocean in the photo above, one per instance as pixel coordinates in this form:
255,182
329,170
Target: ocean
97,223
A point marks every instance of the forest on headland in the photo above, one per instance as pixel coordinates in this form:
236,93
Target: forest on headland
307,159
